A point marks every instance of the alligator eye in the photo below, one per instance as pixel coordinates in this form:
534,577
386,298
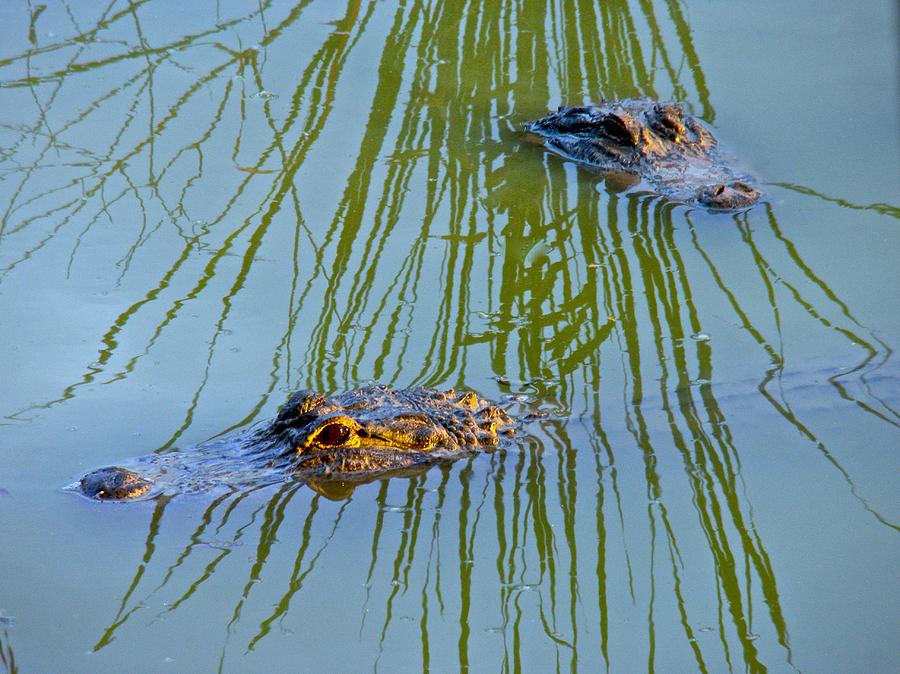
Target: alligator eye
618,128
333,435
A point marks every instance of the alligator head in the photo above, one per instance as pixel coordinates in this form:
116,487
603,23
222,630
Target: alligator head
378,428
654,141
351,436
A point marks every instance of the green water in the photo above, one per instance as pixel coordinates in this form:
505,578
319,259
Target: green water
206,206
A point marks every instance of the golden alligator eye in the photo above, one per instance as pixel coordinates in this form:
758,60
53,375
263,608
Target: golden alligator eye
333,435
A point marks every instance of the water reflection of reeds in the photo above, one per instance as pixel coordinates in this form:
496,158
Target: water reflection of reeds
7,655
449,245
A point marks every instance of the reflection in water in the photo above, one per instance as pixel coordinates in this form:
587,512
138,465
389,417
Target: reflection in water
445,244
7,656
883,208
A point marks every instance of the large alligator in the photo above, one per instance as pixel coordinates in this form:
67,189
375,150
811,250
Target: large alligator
656,142
345,438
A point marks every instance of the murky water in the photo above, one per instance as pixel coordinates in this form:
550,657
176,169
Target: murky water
208,205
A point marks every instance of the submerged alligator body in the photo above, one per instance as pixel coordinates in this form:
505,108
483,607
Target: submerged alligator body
328,442
656,142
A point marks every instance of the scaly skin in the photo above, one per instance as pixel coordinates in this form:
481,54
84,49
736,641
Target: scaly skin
655,141
349,436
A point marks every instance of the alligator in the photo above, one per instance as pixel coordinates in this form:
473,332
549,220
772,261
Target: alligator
331,443
653,141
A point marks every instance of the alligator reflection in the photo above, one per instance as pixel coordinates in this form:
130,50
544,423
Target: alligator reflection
447,245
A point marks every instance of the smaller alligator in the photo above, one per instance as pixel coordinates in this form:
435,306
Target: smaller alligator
351,437
653,141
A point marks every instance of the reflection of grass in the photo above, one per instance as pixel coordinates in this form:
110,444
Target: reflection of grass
126,607
876,356
441,216
7,656
698,429
428,130
324,63
883,208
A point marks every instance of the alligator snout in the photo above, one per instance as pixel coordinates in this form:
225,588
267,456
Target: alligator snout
733,196
114,484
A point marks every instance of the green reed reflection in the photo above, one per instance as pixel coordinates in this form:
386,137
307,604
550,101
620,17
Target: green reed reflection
7,655
442,244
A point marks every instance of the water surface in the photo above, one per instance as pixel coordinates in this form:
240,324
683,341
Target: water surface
205,208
